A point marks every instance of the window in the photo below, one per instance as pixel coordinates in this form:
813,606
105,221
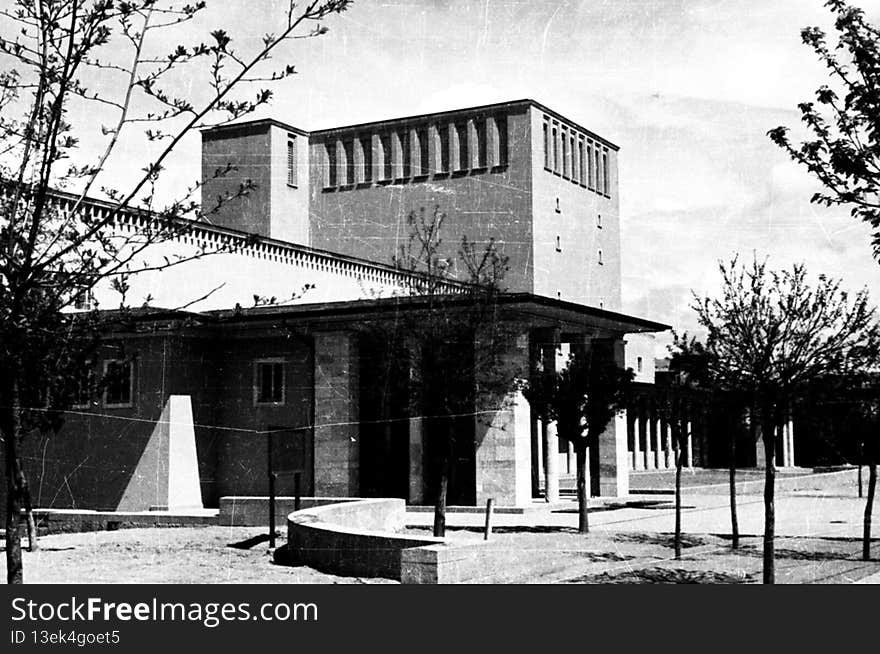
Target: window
591,173
349,161
601,263
582,171
558,244
599,221
547,146
566,156
461,138
481,143
291,160
269,381
558,208
575,172
366,144
501,127
387,167
332,174
84,300
406,153
443,136
605,184
639,364
422,136
117,381
555,150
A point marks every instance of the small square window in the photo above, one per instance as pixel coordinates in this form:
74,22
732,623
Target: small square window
117,383
269,382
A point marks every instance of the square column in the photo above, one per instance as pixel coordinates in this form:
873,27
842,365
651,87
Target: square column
657,436
337,435
503,441
416,461
645,435
612,456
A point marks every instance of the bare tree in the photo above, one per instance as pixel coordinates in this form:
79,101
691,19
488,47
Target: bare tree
769,335
449,340
56,247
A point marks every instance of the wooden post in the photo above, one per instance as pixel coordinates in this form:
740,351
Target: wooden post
488,529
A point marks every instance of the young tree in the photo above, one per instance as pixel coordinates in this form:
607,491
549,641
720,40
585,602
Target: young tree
583,397
769,335
844,151
690,363
676,404
450,340
67,67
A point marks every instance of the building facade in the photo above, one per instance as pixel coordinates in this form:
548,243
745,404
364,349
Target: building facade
323,215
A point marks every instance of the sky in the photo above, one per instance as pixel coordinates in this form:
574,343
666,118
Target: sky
687,88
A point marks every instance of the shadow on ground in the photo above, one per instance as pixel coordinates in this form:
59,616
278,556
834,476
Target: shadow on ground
663,576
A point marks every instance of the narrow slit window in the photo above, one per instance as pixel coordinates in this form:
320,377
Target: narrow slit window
443,135
605,184
601,262
481,143
291,160
566,157
461,135
547,146
331,172
581,168
424,168
367,158
349,161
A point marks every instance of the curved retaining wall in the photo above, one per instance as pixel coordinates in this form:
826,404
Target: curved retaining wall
353,538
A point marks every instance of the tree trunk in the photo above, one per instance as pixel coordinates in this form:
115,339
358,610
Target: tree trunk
678,466
582,492
443,490
440,504
869,506
11,427
33,545
769,435
734,523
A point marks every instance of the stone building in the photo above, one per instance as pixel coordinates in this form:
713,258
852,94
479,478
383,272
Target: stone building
327,211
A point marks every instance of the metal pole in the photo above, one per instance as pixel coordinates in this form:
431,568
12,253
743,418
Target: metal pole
272,477
297,497
488,529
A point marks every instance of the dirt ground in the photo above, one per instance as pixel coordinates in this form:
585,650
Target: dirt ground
179,555
536,555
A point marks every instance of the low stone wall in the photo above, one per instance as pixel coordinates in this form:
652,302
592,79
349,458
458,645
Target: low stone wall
357,537
253,510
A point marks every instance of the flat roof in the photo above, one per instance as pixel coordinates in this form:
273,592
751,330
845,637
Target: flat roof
546,309
526,102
